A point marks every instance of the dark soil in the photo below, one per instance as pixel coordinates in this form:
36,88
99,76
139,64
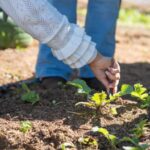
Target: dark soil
56,120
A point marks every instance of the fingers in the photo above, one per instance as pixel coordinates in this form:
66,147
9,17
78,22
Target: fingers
105,82
113,70
113,77
115,64
110,77
101,76
105,79
114,80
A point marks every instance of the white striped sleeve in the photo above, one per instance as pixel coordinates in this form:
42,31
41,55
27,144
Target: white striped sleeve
39,18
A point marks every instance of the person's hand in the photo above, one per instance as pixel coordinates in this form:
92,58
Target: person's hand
107,71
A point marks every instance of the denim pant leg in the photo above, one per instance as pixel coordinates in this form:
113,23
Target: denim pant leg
101,25
47,65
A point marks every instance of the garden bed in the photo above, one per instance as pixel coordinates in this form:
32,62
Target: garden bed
55,120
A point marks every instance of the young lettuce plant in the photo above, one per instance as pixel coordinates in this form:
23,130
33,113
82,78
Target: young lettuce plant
88,141
140,128
25,126
100,100
81,85
146,103
29,96
140,92
137,133
112,139
97,102
135,142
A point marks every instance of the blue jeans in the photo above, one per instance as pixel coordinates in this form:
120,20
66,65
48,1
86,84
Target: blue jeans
100,25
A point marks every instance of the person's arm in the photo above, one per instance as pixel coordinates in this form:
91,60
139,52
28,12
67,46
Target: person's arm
39,18
69,42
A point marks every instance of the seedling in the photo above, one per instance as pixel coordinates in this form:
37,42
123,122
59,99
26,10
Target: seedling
25,126
88,141
138,131
146,103
112,139
96,102
83,88
126,89
140,92
100,100
29,96
135,141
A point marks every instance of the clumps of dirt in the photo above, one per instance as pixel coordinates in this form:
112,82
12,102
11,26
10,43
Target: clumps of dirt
43,135
55,120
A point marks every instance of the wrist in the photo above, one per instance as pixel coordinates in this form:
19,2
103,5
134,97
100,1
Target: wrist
98,57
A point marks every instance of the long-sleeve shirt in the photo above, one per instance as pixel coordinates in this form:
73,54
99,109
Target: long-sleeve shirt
39,18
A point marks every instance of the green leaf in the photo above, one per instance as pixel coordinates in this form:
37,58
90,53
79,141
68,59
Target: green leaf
88,141
25,87
139,96
99,98
114,97
139,88
66,145
134,141
126,89
81,85
139,92
104,131
144,146
111,138
113,111
146,103
30,97
138,131
25,126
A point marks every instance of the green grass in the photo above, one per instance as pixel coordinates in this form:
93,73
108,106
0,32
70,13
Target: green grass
134,17
129,17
